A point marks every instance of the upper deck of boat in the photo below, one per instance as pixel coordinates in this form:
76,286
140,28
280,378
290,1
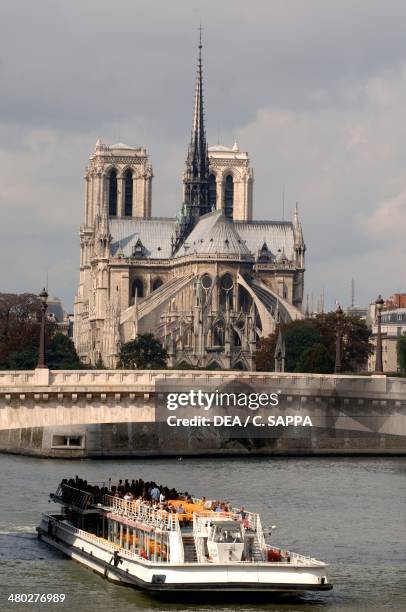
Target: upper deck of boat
171,515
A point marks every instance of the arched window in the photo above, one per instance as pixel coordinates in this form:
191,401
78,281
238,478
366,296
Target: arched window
212,192
137,288
226,292
229,197
128,194
157,283
218,334
113,194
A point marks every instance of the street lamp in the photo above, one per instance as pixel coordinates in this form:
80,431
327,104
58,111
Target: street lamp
43,296
339,317
378,361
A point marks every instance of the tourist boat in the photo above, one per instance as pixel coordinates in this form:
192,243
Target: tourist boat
189,549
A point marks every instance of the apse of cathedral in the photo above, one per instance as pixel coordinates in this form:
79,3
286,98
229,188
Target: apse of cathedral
208,283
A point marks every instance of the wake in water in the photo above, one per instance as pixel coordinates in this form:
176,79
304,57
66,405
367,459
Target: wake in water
16,529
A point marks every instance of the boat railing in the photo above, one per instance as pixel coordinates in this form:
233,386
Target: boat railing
259,532
157,518
72,496
91,537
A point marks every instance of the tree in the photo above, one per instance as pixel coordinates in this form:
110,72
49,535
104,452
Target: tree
299,336
62,355
19,324
303,341
23,360
401,352
315,359
356,339
144,353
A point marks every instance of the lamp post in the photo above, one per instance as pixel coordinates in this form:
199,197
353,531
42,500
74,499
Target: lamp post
41,355
378,361
339,317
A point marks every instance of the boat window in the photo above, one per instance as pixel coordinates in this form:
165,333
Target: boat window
225,535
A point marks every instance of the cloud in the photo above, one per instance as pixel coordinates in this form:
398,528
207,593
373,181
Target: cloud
315,91
388,221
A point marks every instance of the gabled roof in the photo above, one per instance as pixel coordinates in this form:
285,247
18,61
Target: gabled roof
277,235
155,235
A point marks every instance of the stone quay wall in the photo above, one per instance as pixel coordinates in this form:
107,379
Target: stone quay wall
112,413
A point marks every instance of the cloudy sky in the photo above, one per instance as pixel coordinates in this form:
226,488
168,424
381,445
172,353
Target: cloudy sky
315,90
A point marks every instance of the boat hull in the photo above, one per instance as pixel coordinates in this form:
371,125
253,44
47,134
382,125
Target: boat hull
185,578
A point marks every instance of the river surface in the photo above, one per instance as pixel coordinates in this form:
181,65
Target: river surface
347,511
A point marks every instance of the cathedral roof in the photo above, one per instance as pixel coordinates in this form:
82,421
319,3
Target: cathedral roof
215,234
155,235
121,145
278,236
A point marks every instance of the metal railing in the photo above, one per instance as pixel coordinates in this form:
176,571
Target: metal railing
142,512
75,497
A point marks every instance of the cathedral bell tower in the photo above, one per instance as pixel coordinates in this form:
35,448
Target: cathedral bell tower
196,176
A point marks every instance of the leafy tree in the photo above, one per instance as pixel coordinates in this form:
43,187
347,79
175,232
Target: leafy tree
62,355
19,324
299,336
144,353
23,360
312,333
401,352
356,344
315,359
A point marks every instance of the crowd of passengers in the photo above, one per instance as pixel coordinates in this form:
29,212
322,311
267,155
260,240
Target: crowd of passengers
150,493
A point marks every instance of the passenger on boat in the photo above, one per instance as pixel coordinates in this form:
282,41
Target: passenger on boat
155,493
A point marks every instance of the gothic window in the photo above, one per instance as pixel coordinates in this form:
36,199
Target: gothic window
137,288
128,194
226,291
229,197
244,299
113,194
157,283
206,281
212,192
218,334
239,366
236,339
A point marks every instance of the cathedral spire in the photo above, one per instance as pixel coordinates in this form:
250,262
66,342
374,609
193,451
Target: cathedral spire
197,153
196,177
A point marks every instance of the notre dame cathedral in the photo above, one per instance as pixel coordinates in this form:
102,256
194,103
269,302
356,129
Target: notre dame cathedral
208,283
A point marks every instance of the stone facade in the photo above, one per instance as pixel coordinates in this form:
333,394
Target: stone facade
208,283
393,326
102,413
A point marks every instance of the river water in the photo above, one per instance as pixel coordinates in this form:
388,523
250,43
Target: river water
347,511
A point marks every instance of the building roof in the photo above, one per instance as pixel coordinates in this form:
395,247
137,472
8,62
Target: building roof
278,236
154,234
121,145
214,234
